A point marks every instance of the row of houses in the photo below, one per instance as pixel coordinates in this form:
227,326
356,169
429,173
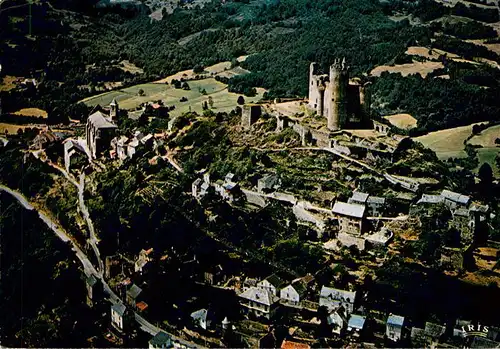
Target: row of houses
124,147
347,320
264,299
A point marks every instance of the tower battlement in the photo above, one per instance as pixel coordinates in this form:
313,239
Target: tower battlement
331,95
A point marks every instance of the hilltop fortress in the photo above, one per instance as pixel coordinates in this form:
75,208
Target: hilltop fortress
345,103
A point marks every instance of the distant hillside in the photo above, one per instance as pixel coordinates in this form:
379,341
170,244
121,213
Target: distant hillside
75,48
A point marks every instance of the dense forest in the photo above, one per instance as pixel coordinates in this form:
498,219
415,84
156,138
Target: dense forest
74,48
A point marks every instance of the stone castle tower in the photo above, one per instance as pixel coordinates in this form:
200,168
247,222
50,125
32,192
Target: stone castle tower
333,96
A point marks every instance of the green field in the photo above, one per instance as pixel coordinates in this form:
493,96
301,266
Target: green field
447,143
488,155
128,98
450,143
487,137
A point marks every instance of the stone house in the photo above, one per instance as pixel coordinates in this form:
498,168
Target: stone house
455,257
273,284
268,183
72,148
142,260
161,340
119,317
199,188
94,289
375,206
201,319
228,190
332,298
44,139
358,198
293,293
452,199
394,327
350,217
337,319
259,302
132,147
356,325
132,294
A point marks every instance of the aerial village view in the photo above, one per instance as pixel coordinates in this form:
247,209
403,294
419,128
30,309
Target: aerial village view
249,174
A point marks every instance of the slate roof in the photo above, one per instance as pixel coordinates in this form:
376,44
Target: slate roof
91,280
119,308
134,142
479,208
336,294
376,200
430,199
268,181
146,138
357,321
461,212
275,281
480,342
352,210
300,287
396,320
230,185
359,196
161,339
99,120
229,177
434,330
122,140
456,197
134,291
259,295
417,332
199,315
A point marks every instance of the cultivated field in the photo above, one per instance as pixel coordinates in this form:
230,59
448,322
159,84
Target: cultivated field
447,143
128,98
200,91
403,121
428,53
422,68
488,153
32,112
217,69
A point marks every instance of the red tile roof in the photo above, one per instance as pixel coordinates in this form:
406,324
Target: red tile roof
294,345
142,306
